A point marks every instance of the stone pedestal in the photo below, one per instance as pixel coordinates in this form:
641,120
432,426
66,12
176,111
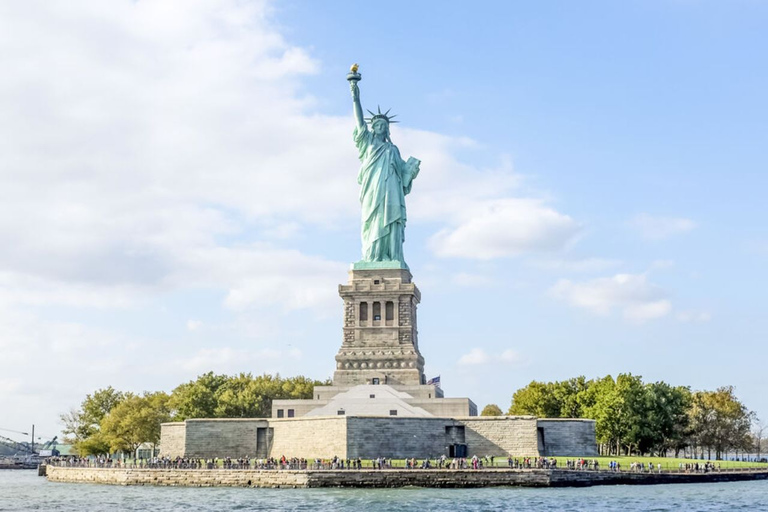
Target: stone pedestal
380,343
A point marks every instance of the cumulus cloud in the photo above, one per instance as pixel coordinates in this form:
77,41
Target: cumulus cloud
510,356
469,280
33,346
194,325
178,130
506,227
659,228
474,357
153,148
478,356
586,265
637,298
227,359
149,148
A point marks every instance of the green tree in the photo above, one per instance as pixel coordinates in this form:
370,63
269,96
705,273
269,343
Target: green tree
82,426
135,420
570,395
197,398
491,410
245,396
238,396
536,399
563,399
618,408
667,417
720,421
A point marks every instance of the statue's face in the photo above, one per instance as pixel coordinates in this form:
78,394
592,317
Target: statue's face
380,127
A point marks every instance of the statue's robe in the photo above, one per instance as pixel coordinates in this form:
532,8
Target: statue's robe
384,180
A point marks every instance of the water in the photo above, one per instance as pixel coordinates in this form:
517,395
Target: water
24,490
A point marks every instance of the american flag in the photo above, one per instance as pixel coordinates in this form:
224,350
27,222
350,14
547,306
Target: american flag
435,381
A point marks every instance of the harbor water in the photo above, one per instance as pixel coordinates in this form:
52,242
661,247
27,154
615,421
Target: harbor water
22,490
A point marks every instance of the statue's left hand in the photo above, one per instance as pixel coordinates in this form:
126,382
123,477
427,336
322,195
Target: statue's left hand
413,165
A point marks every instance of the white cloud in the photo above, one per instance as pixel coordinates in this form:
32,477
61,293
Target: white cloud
478,356
79,358
227,359
146,146
474,357
150,147
506,227
647,310
9,385
261,275
177,129
659,228
587,265
637,298
194,325
469,280
511,356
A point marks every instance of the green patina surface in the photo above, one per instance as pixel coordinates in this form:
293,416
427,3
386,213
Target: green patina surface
385,179
377,265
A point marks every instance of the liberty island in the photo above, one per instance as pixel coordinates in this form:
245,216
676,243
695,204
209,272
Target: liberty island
380,405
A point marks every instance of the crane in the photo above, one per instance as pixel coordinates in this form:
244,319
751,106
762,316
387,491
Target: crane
24,448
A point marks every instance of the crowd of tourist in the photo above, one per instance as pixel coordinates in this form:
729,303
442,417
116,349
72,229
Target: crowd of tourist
379,463
699,467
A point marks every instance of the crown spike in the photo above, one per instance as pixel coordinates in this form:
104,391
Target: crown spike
385,116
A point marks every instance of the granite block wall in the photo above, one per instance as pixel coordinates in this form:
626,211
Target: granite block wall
398,438
208,438
173,436
568,437
370,437
322,437
502,435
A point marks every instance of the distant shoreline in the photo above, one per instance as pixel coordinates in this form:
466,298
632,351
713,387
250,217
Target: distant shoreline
385,478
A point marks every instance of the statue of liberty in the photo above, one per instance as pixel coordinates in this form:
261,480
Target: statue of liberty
385,179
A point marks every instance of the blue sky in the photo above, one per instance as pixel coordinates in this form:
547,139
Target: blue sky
178,191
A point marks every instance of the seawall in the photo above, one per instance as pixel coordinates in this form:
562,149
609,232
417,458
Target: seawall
382,478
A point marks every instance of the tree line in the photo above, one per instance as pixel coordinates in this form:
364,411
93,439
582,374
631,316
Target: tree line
637,418
111,421
631,417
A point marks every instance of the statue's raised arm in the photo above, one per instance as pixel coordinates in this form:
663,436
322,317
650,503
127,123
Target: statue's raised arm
354,77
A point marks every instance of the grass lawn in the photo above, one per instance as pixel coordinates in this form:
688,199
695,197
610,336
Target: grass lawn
666,463
670,463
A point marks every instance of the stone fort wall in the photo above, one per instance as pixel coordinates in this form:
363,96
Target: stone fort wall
209,438
323,437
501,435
173,437
370,437
568,437
387,479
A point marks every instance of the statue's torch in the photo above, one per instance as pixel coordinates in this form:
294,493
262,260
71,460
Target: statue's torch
353,76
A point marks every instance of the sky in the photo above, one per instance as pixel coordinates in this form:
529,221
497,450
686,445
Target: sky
178,191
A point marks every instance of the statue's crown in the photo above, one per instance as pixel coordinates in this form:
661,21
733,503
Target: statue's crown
384,116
